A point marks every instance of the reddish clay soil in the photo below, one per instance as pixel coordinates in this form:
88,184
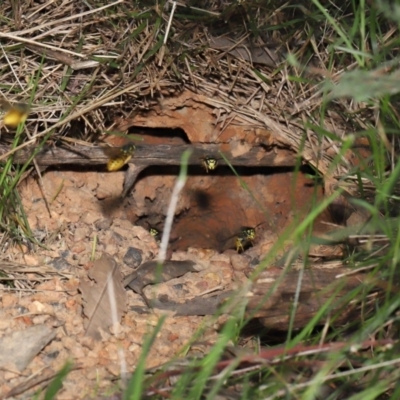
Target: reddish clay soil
87,212
87,217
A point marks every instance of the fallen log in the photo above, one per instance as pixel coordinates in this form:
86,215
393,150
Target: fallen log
149,155
146,155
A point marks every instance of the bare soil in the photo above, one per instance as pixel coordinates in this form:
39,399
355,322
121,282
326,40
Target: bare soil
88,215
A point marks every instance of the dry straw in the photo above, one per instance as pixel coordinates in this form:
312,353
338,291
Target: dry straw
90,61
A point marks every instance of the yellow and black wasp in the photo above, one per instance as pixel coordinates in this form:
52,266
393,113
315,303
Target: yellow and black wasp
15,114
209,163
242,240
154,232
119,156
245,239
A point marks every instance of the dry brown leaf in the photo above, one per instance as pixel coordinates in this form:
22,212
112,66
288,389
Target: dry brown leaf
105,278
246,50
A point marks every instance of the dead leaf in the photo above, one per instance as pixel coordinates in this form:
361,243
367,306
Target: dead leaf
246,50
105,278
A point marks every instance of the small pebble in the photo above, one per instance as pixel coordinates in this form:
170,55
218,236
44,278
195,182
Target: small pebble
53,354
133,257
65,253
103,224
255,262
60,264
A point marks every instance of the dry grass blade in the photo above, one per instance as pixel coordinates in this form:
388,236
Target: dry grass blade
15,276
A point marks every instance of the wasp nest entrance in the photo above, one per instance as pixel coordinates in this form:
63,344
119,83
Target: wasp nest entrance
219,210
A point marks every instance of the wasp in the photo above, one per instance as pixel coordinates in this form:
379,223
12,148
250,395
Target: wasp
119,156
245,239
16,113
209,163
154,232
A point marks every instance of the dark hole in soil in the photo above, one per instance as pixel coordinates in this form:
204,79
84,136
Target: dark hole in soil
217,206
224,170
214,206
160,135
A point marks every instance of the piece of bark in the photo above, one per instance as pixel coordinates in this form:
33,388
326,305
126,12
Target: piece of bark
130,177
105,286
19,348
152,272
272,296
196,306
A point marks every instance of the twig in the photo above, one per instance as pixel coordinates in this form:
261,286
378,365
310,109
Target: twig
179,185
167,33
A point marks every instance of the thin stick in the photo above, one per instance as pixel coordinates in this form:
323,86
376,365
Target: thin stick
170,22
11,67
39,44
115,322
167,33
179,185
